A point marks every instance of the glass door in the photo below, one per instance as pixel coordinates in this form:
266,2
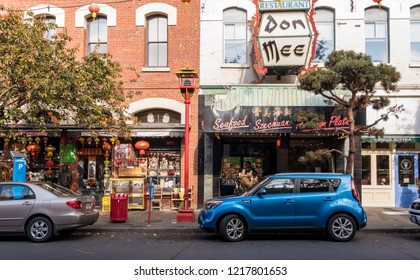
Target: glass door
406,179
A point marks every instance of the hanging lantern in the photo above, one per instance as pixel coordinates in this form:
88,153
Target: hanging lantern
4,14
37,140
104,140
186,2
50,150
89,140
33,149
142,146
45,139
113,140
106,147
50,164
49,172
30,140
94,10
379,2
82,140
106,162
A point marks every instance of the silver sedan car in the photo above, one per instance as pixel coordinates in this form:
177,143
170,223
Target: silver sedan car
43,209
414,211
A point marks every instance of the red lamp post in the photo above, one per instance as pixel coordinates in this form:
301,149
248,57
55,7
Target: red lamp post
186,77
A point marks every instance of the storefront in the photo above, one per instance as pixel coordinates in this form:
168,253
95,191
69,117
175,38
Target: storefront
271,127
390,170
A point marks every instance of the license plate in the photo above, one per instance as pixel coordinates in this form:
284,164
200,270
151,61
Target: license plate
88,205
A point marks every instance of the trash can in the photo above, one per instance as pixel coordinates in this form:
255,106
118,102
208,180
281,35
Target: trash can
119,207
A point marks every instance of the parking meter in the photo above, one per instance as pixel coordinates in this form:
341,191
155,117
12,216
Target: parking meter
19,166
151,189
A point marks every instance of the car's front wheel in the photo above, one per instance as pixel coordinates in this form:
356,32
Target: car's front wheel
39,229
341,227
232,228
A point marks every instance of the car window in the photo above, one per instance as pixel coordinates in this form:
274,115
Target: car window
317,185
280,185
14,192
255,186
56,189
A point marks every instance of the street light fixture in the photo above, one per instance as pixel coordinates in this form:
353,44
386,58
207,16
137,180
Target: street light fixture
186,77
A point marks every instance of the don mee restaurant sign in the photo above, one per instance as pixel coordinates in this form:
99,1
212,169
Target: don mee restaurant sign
256,119
285,33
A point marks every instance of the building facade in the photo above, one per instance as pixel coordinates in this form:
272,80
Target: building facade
250,115
152,40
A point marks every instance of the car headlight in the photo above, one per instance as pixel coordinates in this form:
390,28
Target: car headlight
415,205
212,204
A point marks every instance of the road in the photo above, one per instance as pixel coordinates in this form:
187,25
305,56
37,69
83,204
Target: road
135,245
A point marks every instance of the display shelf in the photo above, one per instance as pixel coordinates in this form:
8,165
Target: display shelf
134,187
177,198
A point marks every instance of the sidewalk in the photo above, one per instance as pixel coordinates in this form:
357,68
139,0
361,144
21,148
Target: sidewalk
380,219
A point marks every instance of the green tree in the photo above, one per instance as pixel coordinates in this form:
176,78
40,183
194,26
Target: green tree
44,84
350,80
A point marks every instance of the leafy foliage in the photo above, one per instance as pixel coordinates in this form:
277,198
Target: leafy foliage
43,83
349,80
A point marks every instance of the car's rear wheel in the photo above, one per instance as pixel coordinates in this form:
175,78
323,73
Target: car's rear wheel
341,227
232,228
39,229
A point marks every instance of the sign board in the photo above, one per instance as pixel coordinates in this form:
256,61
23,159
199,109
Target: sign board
284,5
284,38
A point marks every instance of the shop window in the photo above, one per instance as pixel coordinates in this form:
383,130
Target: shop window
406,146
235,41
366,170
382,169
366,145
158,116
415,33
97,35
376,34
157,41
324,19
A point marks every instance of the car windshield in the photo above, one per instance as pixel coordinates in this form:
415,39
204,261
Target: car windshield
254,187
56,189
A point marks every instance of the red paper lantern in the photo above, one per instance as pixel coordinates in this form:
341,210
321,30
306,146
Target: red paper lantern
106,147
50,164
278,143
186,2
142,145
94,10
33,148
49,172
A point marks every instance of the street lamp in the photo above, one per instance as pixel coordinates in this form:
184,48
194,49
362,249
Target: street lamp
186,77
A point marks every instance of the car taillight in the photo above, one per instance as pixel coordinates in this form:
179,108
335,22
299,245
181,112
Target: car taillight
75,204
94,202
354,190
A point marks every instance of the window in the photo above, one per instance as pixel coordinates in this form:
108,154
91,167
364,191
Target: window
315,185
234,46
158,116
157,41
324,20
97,34
366,170
376,34
415,34
51,33
382,169
14,192
277,186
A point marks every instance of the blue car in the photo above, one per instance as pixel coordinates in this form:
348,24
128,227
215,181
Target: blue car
289,201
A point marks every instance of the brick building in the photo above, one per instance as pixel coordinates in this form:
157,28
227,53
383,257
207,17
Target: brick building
152,40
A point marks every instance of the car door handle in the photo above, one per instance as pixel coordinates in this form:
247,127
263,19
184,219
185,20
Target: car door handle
26,203
289,201
329,199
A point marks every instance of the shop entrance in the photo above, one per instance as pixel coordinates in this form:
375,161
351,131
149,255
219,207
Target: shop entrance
406,178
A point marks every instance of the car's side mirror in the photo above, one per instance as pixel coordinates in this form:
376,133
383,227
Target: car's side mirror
261,192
